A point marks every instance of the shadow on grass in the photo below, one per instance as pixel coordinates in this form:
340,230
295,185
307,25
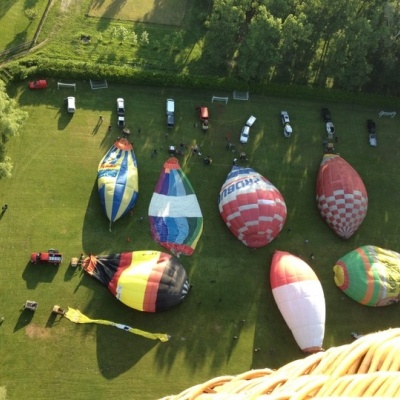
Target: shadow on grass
24,319
5,6
64,119
54,319
96,235
34,274
95,225
119,351
71,272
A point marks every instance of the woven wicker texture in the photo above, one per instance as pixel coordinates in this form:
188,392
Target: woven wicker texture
367,368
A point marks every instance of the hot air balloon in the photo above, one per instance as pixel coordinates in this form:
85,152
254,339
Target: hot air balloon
252,207
341,195
117,180
369,275
148,280
176,221
299,296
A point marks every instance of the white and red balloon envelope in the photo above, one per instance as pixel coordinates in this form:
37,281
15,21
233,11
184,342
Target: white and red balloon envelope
300,298
252,207
341,196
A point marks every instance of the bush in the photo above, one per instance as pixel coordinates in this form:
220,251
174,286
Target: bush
141,74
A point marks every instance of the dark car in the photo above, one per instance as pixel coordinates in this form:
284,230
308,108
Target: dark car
371,126
326,115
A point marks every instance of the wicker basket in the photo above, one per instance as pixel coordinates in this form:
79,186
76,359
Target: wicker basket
367,368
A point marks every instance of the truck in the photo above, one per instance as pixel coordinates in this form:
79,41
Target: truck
52,256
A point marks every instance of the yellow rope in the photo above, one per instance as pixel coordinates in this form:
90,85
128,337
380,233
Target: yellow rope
79,318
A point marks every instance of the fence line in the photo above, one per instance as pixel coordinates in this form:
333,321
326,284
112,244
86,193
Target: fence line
26,46
16,49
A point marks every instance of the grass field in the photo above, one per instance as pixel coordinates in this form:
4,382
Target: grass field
53,202
169,12
16,28
170,48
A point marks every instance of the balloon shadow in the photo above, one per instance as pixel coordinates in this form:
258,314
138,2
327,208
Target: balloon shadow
117,350
95,234
99,238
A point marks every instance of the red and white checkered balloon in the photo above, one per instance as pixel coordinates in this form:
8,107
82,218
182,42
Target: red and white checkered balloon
253,209
341,195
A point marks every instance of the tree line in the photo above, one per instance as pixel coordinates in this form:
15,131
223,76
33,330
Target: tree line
346,44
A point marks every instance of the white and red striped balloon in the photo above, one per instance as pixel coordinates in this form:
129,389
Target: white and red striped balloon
252,207
300,298
341,195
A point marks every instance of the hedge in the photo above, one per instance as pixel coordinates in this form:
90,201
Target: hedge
35,65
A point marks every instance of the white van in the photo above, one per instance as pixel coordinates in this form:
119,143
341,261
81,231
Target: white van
170,110
70,102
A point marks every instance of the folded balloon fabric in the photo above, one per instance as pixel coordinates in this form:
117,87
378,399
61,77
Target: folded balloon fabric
367,368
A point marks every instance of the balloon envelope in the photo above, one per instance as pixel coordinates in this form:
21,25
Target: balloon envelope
144,280
299,296
252,207
176,221
369,275
117,180
341,195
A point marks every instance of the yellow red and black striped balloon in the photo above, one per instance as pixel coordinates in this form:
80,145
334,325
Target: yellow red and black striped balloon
146,280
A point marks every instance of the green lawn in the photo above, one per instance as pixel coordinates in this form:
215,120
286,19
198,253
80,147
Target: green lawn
168,12
53,202
16,27
170,47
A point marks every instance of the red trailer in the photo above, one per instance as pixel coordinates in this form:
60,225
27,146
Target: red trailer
50,257
203,113
203,116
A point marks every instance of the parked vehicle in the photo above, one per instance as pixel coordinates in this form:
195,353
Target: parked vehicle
244,134
121,121
371,127
170,110
70,102
326,114
52,256
203,113
203,116
330,129
38,84
120,106
250,121
287,128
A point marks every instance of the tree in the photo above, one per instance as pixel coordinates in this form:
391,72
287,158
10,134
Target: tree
296,49
347,61
12,118
259,50
119,32
225,30
385,59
